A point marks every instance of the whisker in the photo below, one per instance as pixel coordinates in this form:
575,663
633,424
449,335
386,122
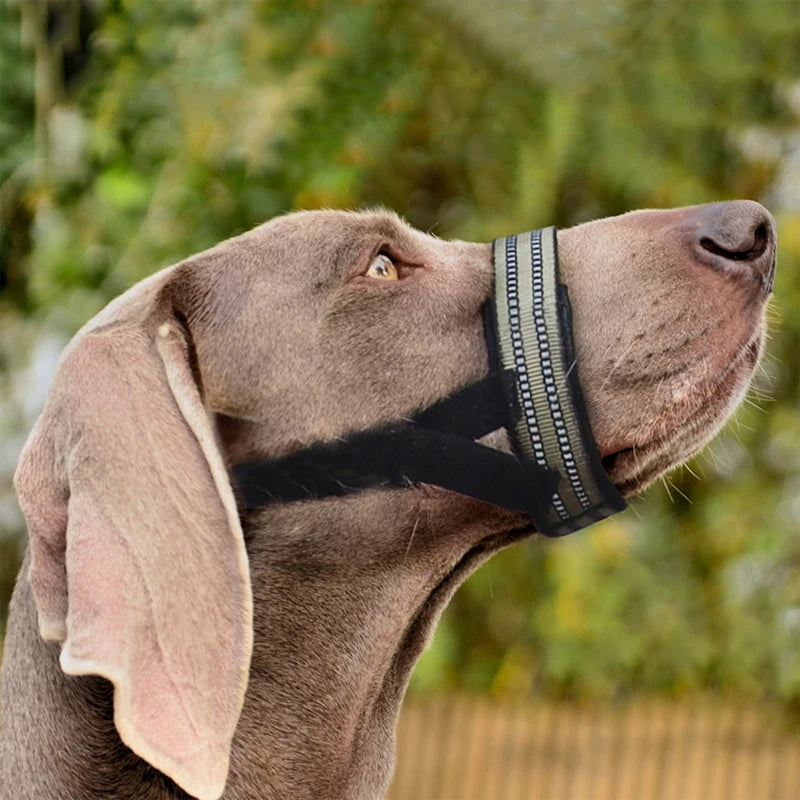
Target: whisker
616,364
759,395
571,367
691,471
682,494
773,313
711,454
633,508
410,539
754,404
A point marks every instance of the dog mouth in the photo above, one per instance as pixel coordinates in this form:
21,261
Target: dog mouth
690,425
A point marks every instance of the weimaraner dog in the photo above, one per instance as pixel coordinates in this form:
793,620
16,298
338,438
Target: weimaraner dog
163,642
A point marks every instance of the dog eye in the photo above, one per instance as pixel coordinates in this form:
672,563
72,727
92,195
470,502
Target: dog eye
382,268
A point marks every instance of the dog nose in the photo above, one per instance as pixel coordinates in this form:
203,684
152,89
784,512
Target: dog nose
738,239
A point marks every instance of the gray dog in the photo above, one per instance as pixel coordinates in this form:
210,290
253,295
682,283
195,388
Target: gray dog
164,643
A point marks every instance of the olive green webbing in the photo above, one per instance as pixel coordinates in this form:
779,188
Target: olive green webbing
552,428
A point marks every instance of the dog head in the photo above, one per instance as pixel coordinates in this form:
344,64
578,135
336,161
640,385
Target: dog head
307,328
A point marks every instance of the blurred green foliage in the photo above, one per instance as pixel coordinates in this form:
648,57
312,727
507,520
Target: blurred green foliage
134,134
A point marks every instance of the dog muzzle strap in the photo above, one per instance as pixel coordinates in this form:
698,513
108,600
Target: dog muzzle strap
554,474
529,328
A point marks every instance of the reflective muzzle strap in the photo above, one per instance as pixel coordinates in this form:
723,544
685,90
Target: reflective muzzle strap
530,321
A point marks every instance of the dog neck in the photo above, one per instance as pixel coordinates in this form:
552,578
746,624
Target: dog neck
347,594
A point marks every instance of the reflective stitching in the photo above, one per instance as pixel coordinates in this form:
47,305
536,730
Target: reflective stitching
547,373
523,380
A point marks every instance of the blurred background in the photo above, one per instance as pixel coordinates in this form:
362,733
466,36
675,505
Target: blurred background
655,655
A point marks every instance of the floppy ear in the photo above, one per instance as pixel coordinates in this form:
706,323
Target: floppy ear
138,561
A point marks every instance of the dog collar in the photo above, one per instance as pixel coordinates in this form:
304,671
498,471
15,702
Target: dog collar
554,475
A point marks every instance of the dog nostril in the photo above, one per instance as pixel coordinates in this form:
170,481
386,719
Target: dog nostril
735,239
750,251
760,242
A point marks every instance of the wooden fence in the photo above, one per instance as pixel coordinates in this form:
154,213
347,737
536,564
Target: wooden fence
468,749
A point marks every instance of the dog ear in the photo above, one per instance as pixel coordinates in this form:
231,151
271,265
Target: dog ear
138,564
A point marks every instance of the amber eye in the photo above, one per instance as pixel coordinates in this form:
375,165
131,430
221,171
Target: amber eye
382,268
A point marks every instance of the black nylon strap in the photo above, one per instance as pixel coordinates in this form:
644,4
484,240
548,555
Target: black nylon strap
437,446
474,411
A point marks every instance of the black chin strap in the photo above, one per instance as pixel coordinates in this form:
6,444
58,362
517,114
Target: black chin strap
436,446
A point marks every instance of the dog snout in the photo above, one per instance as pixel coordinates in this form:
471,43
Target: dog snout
737,239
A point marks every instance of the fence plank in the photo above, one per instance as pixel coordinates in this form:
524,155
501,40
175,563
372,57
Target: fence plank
460,748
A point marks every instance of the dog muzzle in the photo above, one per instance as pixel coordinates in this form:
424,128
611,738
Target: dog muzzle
554,474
